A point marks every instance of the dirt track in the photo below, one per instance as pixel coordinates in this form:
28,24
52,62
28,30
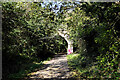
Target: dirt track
55,68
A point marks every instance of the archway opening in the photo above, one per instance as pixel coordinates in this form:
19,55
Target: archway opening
61,46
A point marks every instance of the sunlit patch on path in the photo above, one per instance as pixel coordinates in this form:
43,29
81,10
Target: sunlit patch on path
55,68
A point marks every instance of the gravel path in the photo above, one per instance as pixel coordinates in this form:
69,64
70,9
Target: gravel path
55,68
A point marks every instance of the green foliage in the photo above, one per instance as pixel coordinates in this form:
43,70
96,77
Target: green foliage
26,69
94,28
24,27
97,25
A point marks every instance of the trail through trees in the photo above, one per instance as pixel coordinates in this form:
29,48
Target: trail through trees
55,68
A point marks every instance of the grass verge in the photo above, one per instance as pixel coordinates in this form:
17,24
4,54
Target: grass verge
81,66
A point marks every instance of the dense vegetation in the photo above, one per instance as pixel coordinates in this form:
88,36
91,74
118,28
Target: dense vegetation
25,25
29,36
99,43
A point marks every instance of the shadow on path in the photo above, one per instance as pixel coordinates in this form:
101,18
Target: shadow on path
53,69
